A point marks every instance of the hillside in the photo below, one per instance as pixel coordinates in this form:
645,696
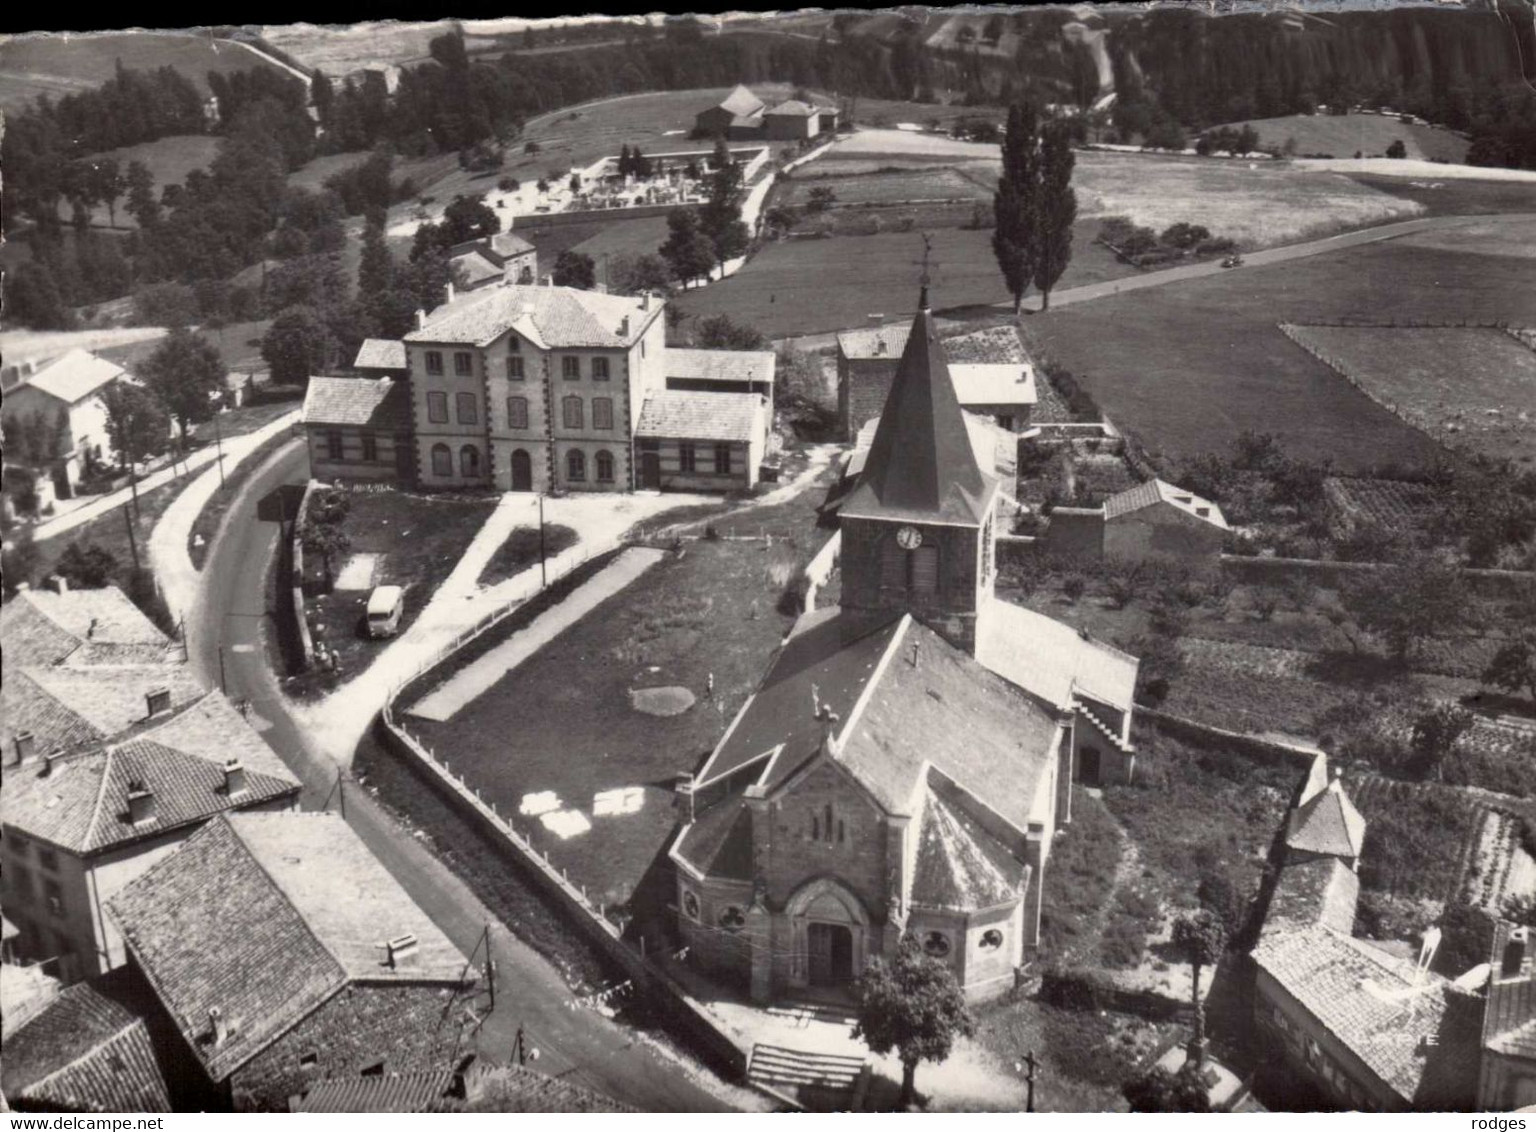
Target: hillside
1344,135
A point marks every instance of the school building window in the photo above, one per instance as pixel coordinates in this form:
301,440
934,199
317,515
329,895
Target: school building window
602,412
515,369
463,366
605,466
599,369
465,403
687,458
575,465
572,412
723,459
570,368
434,361
469,461
517,412
442,460
437,408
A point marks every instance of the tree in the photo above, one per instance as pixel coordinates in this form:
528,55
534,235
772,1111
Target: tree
1435,735
910,1003
1406,602
88,567
467,218
185,373
821,198
1158,1090
296,345
1199,938
687,250
720,333
328,540
720,214
575,269
1015,204
137,423
1397,148
107,184
18,559
633,274
143,206
35,439
33,298
1513,667
1056,211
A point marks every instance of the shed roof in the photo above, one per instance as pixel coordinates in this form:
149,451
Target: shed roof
381,353
549,317
362,402
422,1090
741,101
75,376
1156,491
792,108
743,366
1323,891
874,342
1051,659
680,414
475,268
991,384
265,916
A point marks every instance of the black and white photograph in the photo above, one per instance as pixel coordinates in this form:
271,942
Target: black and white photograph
860,560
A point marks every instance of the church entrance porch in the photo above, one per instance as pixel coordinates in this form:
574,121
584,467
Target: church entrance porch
831,954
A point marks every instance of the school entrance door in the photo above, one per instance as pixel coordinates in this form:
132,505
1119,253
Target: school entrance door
650,471
522,471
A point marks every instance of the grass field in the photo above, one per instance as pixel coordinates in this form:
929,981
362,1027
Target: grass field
57,65
1345,134
1190,365
169,160
942,182
1467,386
1455,197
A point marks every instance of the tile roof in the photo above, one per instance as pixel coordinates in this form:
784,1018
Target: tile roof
425,1090
1157,491
265,916
960,866
87,1051
550,317
904,728
1051,659
497,248
214,729
873,342
1327,823
81,803
67,707
741,101
474,268
1416,1035
41,627
516,1088
792,108
1509,1025
988,384
1320,892
366,402
679,414
921,465
381,353
24,992
721,365
75,376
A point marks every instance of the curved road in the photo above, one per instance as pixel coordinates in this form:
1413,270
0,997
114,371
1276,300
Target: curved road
579,1043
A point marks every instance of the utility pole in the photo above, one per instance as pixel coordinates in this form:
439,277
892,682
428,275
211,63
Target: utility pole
543,560
1029,1078
223,686
341,794
218,439
133,541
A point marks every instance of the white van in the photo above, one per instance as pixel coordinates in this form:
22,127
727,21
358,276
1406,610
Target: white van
385,605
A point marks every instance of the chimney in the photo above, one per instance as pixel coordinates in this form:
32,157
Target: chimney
141,803
158,700
25,747
60,583
90,630
448,292
52,761
683,788
645,300
1203,512
404,951
234,777
421,319
23,587
1516,950
218,1026
624,327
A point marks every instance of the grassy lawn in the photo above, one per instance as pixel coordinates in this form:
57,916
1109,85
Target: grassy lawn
1079,878
169,160
110,531
1466,384
56,65
521,550
417,541
1454,198
564,722
1343,135
1190,365
206,525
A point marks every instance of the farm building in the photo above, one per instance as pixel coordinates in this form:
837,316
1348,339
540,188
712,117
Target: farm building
313,962
1369,1030
701,441
866,363
722,371
359,429
502,258
1152,519
907,759
1508,1078
65,397
742,116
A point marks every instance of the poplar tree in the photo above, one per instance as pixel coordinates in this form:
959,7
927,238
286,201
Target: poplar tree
1015,203
1056,212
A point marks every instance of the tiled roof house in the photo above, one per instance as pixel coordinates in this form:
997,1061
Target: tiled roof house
1508,1074
285,954
359,428
907,757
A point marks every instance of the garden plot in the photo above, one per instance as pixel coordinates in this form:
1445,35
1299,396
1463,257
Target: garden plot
1392,505
891,187
1500,869
1468,385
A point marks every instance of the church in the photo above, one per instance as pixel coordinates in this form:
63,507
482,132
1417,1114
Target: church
908,757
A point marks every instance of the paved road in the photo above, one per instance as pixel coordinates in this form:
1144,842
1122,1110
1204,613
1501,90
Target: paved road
1113,287
585,1045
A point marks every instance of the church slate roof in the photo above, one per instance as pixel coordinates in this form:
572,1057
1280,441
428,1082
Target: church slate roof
1327,823
921,465
1051,659
1323,891
960,866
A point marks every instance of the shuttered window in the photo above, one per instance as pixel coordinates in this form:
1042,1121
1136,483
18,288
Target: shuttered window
925,569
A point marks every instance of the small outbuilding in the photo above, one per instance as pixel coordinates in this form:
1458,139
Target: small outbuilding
701,441
359,428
